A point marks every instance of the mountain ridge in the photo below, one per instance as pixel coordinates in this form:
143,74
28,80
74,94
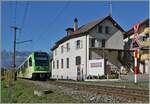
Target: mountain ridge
7,58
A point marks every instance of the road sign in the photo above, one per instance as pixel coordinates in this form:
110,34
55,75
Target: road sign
135,44
136,37
136,27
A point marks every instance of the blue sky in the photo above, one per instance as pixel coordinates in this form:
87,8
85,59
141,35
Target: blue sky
45,22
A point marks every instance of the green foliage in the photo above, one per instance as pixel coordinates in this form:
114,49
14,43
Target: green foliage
113,76
8,76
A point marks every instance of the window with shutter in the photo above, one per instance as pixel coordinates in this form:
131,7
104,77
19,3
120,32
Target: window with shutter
103,43
93,42
78,44
68,47
107,30
25,64
62,63
100,29
67,62
57,64
78,60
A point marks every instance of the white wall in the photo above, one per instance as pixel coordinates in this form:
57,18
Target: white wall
116,41
71,72
112,39
94,32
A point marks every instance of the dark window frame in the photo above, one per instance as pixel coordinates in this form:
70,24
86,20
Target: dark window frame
57,64
78,60
93,42
30,61
100,29
62,63
78,44
26,64
68,47
107,30
103,43
67,62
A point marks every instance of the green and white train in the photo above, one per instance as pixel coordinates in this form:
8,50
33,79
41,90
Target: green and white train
36,66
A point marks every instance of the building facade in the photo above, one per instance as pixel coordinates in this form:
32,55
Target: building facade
142,44
99,39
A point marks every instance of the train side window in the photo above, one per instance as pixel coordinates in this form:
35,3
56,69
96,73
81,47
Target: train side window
25,64
30,61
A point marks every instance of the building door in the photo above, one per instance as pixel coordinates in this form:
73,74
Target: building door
78,73
78,64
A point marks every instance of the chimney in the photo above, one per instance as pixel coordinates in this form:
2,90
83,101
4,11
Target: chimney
75,24
69,31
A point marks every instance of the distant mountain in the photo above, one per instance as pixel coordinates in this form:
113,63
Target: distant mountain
7,58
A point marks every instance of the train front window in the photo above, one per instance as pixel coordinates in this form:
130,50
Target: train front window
41,59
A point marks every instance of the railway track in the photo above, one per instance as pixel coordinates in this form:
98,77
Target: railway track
133,95
128,93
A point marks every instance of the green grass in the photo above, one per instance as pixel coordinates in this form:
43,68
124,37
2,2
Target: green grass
22,92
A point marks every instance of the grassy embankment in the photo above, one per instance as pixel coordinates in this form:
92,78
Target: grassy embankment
139,85
22,92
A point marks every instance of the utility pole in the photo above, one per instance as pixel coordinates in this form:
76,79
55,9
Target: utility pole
14,55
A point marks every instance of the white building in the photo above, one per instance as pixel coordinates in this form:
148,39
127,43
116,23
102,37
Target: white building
96,40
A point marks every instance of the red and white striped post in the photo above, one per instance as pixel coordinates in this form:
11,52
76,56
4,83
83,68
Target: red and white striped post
136,55
135,65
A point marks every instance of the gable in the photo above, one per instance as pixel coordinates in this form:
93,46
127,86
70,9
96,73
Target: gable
103,35
87,28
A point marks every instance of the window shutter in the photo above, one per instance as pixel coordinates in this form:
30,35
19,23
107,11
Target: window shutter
75,44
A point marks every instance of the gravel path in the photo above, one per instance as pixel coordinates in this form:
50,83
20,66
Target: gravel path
83,96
